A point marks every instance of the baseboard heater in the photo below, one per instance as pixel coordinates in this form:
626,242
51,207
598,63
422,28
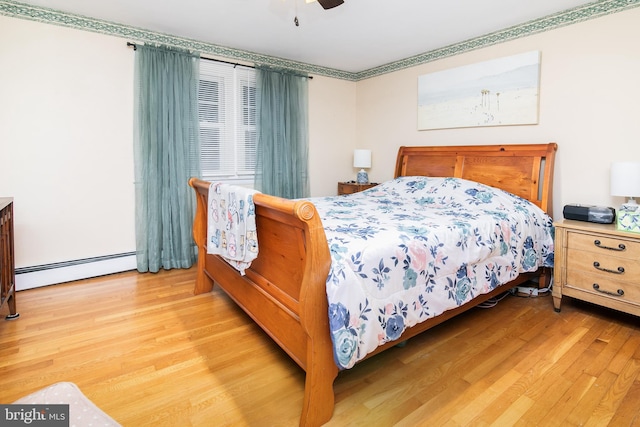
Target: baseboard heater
68,271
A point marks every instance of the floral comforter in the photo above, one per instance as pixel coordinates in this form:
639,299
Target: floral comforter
411,248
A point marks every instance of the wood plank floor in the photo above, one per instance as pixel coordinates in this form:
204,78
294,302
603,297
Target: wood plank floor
148,352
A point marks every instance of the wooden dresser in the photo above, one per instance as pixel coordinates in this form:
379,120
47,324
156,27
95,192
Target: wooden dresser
7,263
598,264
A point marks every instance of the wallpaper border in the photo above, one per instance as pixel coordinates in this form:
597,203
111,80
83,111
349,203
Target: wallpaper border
571,16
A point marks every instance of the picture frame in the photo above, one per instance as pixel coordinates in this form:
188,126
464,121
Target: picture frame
498,92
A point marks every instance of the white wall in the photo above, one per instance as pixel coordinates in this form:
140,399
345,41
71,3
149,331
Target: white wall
332,133
589,105
66,119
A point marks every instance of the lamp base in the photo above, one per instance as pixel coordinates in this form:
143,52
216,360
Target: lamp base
363,177
630,206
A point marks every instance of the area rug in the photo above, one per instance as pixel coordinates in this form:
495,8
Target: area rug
82,411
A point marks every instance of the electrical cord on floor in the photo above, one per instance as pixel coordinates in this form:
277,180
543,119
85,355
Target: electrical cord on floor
531,292
492,302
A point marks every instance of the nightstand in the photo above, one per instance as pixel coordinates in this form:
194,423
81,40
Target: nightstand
598,264
352,187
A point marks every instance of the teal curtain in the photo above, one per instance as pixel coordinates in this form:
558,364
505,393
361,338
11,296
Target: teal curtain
283,133
166,156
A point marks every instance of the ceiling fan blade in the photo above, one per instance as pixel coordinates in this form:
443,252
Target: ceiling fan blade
328,4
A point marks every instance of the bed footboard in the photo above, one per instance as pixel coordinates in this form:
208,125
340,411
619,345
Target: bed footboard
284,290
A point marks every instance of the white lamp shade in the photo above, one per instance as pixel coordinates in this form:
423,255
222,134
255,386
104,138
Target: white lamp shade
361,158
625,179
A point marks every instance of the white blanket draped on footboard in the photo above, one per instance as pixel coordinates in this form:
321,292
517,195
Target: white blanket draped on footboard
231,225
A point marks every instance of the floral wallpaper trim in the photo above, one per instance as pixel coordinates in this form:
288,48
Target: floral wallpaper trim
571,16
568,17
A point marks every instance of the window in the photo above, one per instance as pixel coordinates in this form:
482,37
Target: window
227,115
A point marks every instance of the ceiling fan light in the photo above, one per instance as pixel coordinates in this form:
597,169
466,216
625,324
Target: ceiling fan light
328,4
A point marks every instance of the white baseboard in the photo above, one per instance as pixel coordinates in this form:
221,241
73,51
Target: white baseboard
35,277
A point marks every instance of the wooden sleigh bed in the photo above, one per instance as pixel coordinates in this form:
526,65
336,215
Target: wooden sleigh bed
284,289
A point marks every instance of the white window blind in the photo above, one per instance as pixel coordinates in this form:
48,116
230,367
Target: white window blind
227,115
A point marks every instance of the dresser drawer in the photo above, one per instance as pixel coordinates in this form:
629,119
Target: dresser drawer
604,245
604,286
604,263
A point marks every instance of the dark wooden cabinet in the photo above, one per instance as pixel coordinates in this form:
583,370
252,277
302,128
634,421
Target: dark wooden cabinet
352,187
7,263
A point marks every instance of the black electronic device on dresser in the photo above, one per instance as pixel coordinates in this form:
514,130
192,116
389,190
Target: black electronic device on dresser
590,213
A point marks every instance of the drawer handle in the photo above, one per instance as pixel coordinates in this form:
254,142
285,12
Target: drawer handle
620,270
619,293
621,247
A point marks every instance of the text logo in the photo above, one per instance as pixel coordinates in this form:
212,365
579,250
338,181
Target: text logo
34,415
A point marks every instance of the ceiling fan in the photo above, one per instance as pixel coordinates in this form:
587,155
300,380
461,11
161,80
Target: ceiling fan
327,4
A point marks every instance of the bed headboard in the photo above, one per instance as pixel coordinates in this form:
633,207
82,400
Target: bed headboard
524,170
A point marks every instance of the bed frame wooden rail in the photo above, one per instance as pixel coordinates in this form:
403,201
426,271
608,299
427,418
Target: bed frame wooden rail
284,289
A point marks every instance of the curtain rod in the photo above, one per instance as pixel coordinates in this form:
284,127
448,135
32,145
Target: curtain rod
235,64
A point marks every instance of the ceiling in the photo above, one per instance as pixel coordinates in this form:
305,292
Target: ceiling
356,36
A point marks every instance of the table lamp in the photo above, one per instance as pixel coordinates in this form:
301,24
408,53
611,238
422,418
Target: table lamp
362,160
625,182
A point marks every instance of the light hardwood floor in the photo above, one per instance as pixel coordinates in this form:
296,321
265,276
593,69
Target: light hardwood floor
148,352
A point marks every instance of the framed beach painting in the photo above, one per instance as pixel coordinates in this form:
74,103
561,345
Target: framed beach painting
499,92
